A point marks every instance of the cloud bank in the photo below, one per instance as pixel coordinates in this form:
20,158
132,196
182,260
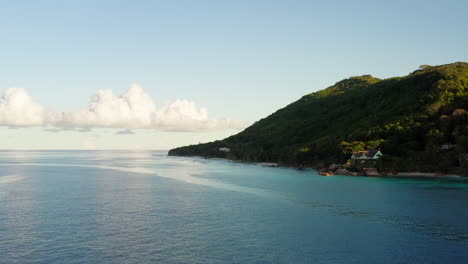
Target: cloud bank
134,109
17,109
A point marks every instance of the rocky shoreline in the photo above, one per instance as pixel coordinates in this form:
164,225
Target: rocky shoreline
338,169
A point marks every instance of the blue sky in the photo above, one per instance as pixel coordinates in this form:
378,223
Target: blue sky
238,59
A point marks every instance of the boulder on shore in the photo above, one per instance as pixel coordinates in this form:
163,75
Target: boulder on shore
334,167
342,172
326,173
346,172
371,172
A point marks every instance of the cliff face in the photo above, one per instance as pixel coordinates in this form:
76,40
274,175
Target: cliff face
408,118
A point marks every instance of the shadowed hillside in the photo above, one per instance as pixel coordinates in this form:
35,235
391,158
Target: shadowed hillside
408,118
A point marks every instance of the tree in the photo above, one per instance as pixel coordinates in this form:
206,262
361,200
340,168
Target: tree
424,66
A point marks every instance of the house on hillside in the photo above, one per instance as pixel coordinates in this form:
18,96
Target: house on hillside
370,154
447,146
224,149
366,158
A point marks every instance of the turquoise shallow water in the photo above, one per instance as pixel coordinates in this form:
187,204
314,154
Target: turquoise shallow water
145,207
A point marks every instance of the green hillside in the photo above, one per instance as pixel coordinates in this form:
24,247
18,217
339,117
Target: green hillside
408,118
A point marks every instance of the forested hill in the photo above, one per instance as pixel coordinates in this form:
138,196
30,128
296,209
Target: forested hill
408,118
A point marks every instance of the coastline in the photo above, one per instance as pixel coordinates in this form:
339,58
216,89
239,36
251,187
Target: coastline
429,175
264,164
406,175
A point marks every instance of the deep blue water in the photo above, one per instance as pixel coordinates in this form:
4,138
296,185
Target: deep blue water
145,207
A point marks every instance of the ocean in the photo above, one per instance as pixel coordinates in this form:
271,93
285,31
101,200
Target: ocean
145,207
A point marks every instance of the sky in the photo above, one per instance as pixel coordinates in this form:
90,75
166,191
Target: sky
161,74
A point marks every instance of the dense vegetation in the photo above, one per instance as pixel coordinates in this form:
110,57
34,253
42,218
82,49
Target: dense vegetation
408,118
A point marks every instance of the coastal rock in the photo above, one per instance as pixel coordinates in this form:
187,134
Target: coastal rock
346,172
334,167
342,172
371,172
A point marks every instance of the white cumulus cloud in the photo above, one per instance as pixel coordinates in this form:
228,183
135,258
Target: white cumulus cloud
17,108
183,115
134,109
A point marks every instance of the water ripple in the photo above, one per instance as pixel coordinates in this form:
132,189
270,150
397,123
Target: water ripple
407,223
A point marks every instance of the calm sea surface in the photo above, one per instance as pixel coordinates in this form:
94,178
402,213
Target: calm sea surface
145,207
